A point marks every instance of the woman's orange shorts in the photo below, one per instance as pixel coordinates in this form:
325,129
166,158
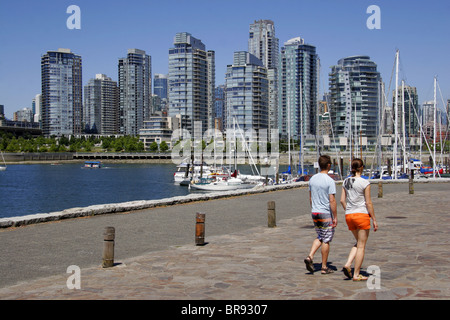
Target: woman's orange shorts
358,221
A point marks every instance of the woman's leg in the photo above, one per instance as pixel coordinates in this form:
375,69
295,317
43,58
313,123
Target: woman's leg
361,236
351,257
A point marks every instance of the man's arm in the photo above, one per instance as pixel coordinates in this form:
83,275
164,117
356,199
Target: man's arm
333,207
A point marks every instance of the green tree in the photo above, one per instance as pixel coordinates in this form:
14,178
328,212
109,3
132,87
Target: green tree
154,146
163,147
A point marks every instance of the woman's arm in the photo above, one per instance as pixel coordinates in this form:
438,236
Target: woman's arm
369,206
343,198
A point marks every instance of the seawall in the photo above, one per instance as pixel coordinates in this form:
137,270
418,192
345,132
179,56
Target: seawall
146,204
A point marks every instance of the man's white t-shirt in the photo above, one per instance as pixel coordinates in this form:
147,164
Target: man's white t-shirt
356,202
321,186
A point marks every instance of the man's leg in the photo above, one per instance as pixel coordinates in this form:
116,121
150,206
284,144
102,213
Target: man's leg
309,259
315,246
325,252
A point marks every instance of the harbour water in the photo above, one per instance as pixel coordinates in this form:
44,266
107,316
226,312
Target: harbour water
43,188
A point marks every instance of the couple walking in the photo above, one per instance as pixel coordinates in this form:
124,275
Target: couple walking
355,200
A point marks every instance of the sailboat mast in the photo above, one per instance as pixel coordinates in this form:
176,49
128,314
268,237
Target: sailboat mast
434,131
289,131
301,125
403,126
396,117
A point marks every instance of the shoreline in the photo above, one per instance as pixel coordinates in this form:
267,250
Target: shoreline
309,158
101,209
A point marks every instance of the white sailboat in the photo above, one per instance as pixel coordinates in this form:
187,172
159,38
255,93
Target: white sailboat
221,185
3,167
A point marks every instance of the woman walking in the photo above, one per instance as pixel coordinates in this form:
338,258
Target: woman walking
356,201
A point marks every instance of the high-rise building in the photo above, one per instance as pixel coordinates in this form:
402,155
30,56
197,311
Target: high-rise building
263,44
134,91
160,85
188,81
36,106
298,82
219,107
159,99
23,115
427,112
354,87
62,97
101,106
408,107
246,86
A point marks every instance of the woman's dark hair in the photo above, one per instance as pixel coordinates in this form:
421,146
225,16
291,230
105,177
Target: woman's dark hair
357,164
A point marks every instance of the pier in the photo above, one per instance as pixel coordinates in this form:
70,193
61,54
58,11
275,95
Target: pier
156,256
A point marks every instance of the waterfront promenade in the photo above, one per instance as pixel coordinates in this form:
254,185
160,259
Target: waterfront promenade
156,256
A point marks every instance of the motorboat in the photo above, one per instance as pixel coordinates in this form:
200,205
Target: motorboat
93,164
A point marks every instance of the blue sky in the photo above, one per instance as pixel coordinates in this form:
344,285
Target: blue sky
28,29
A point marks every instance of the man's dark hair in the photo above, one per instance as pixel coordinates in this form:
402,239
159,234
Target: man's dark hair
324,161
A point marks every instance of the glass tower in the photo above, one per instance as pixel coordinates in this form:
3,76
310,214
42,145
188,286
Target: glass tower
411,108
134,91
246,86
263,44
298,100
160,85
101,106
354,89
189,94
62,101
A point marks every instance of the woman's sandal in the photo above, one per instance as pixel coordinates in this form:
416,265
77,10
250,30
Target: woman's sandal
360,278
326,270
348,272
309,264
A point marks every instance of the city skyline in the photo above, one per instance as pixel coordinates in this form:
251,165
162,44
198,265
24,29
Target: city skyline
337,29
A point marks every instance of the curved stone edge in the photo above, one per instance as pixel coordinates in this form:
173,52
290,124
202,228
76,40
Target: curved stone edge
146,204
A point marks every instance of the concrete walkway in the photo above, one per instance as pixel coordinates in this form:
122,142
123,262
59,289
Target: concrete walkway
156,256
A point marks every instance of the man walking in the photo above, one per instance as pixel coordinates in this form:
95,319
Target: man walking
322,197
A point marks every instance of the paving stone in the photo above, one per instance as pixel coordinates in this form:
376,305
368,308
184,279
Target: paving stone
263,263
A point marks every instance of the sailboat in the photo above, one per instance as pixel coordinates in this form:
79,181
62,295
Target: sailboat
229,181
3,168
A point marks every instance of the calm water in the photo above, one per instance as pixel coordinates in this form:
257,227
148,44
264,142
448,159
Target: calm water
43,188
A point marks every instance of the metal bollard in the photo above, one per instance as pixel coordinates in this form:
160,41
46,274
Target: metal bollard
380,189
108,247
200,229
271,214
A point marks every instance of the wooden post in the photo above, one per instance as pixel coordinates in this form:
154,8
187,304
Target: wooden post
388,167
200,229
380,189
411,182
108,247
271,215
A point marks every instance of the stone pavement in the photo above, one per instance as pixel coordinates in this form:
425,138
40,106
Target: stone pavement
410,252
